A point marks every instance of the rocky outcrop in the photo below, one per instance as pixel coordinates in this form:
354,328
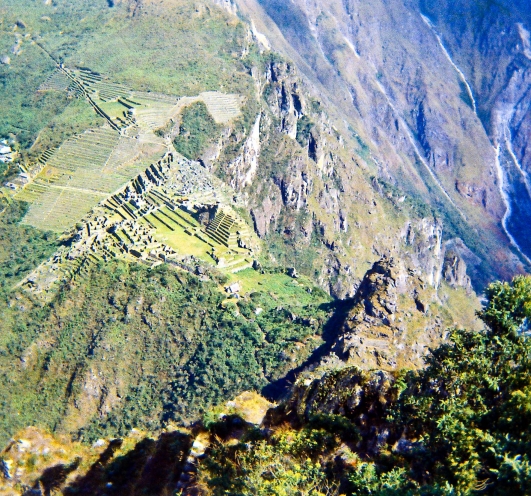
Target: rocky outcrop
52,465
373,327
285,98
266,214
454,271
228,5
296,185
243,168
394,317
424,238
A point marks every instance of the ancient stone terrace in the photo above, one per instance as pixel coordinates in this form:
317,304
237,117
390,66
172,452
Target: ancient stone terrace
82,172
148,221
134,206
223,107
153,200
100,87
57,81
227,231
84,151
57,208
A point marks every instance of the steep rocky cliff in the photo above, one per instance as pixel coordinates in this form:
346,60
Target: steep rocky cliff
396,317
317,194
402,95
490,43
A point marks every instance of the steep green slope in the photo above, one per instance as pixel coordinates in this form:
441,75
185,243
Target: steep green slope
197,130
448,429
131,347
22,248
196,48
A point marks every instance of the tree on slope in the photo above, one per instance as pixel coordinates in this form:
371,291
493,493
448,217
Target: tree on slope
470,408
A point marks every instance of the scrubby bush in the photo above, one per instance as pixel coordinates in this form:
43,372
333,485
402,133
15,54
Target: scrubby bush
196,132
463,424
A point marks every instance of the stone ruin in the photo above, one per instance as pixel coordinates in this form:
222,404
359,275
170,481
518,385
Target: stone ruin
121,225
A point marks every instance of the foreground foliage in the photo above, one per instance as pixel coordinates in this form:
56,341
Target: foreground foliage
460,426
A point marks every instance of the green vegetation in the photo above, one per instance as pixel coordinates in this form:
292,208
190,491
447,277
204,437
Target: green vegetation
177,238
278,285
460,426
291,248
471,403
239,130
282,466
194,52
196,132
25,112
412,204
154,346
304,128
22,248
77,117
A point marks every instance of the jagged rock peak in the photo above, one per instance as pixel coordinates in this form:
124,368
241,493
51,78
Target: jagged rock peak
393,320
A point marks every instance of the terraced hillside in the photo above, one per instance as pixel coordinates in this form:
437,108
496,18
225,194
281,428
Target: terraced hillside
85,170
89,167
222,107
174,211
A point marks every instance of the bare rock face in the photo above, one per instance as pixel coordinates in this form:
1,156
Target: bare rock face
228,5
424,238
296,185
454,271
302,183
243,168
416,103
394,318
285,99
266,214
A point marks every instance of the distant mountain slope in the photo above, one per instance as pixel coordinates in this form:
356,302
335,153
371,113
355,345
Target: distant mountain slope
433,103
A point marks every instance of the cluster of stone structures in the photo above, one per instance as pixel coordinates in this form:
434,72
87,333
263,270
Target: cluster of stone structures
6,153
149,221
66,183
173,211
180,195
